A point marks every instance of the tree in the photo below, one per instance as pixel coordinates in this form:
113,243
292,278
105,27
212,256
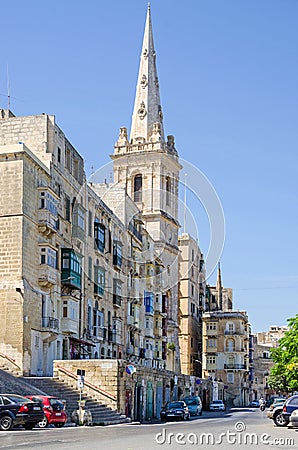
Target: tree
284,374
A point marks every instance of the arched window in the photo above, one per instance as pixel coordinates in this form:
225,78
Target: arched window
168,190
95,319
137,188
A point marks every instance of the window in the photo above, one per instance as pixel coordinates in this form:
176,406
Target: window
230,377
192,271
117,289
231,361
230,345
211,360
59,155
48,201
148,302
90,223
99,280
99,236
70,309
71,268
78,221
168,191
211,326
76,169
137,188
192,308
231,328
48,256
67,159
67,208
117,254
211,343
192,290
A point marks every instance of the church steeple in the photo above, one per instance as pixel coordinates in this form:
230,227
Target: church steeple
147,119
219,288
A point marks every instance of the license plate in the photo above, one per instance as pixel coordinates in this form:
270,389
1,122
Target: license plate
58,414
36,408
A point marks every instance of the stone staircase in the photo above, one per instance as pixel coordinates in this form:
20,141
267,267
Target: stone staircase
101,414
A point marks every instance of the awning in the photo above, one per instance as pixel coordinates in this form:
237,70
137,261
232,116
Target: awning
81,341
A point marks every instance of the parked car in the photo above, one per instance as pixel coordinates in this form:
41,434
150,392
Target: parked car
293,419
217,405
276,402
290,405
276,414
17,410
194,405
54,410
254,404
175,410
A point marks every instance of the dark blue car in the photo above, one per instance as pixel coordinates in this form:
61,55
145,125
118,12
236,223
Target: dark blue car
17,410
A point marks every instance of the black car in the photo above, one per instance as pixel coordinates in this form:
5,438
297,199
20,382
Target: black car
289,406
17,410
175,410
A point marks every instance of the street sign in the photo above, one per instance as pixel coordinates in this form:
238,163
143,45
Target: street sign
130,369
80,381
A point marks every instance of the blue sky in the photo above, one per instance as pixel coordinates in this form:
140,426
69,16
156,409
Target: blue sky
228,75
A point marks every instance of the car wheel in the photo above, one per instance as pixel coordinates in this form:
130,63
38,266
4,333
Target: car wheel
43,423
279,420
6,423
29,426
200,413
59,425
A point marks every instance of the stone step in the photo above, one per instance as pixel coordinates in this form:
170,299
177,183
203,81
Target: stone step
101,413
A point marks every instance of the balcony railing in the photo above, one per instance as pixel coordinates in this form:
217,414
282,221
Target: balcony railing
235,366
135,232
234,332
50,322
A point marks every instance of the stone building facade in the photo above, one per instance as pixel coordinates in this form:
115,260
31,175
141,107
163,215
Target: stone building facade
227,352
191,304
263,342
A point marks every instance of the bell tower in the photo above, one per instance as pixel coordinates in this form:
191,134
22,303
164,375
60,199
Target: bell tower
148,164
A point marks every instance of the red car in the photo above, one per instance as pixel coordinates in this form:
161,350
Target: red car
53,408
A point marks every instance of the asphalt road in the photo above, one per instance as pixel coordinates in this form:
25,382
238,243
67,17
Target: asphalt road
244,428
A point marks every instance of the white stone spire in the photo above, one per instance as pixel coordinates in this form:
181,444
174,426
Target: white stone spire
147,122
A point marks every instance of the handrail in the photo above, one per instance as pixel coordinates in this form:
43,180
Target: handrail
13,361
87,383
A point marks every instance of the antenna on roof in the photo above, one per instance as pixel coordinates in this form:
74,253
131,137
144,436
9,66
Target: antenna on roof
8,88
92,174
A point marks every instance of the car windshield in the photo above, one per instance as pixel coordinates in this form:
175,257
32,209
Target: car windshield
190,401
176,405
18,398
54,402
217,402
